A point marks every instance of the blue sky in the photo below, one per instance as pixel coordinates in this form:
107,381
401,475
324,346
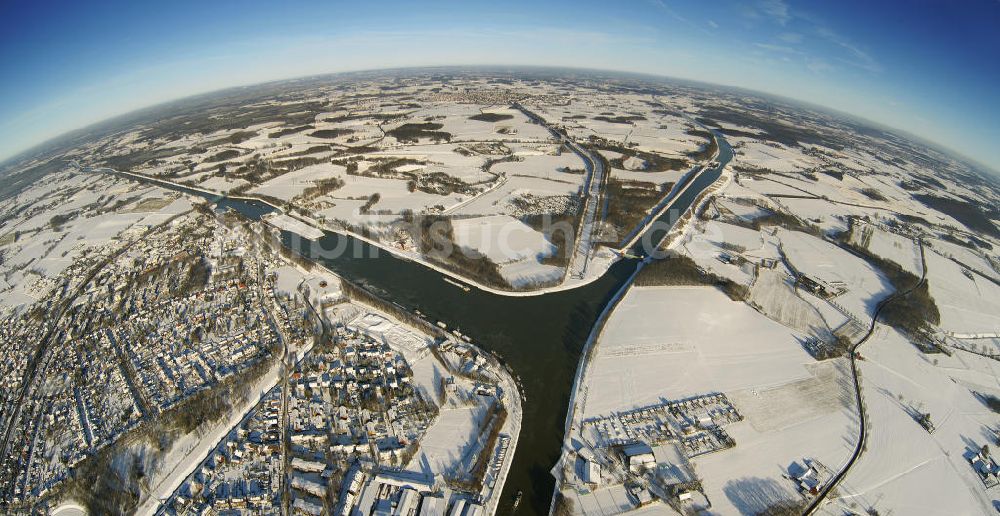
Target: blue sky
928,67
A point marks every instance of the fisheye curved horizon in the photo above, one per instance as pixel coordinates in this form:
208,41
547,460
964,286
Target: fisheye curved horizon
165,103
556,258
114,58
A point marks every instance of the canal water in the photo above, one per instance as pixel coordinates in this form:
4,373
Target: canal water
539,337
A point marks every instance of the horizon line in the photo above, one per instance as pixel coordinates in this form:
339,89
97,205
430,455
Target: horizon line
28,152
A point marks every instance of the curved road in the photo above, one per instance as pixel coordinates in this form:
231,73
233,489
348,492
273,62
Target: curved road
859,449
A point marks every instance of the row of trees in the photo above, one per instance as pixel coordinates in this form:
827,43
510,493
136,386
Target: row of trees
435,237
628,203
678,269
707,150
912,314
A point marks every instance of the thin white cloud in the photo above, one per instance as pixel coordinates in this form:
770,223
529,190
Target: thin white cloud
857,56
776,10
783,49
790,37
779,12
673,14
818,65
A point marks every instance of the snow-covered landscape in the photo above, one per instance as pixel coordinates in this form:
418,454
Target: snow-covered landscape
768,311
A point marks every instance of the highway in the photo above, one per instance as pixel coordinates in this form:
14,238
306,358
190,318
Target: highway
584,239
583,243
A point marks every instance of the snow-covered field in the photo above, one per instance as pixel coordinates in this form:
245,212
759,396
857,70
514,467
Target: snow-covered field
289,223
969,304
405,339
817,258
289,186
712,240
528,272
978,260
501,238
907,470
774,156
891,246
454,159
69,216
773,294
222,184
450,444
673,342
516,247
829,216
665,343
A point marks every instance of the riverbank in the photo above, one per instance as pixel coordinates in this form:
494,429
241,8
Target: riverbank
191,450
569,282
511,399
540,336
597,331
